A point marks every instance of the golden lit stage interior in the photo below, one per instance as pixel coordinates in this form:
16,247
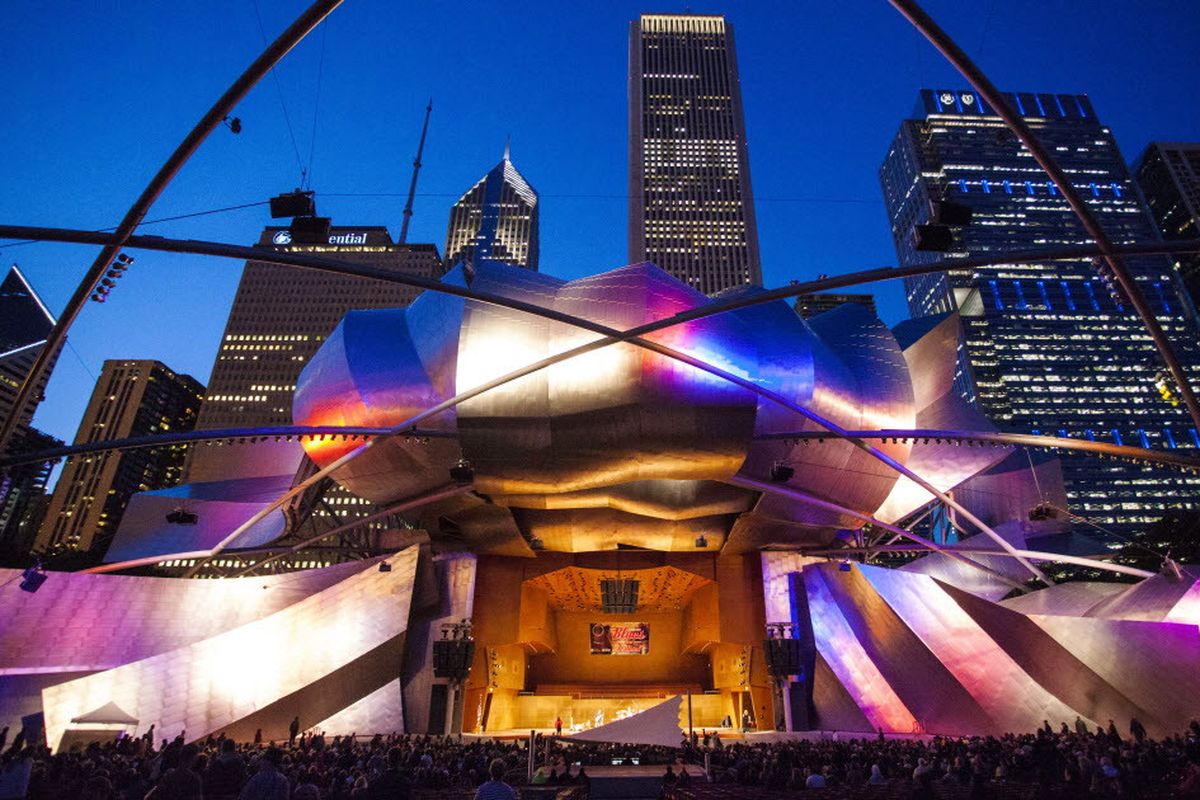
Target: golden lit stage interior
535,662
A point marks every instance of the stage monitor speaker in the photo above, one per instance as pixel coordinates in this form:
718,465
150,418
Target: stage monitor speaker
784,657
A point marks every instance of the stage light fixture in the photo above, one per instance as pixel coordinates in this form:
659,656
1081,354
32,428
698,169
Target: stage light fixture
32,578
385,566
781,472
182,517
536,544
844,566
233,123
701,542
462,472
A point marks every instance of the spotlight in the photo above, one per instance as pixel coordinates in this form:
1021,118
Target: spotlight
32,578
781,472
181,517
385,566
233,123
844,566
536,544
701,542
462,472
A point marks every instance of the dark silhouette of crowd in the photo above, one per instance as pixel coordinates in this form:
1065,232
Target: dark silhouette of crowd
1046,764
1049,764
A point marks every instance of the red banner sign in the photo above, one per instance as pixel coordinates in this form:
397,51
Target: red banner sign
620,639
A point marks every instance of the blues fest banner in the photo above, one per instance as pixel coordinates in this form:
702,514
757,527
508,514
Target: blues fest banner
620,639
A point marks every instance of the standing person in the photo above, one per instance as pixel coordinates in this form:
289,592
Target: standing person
558,725
496,788
391,783
1138,730
268,783
182,782
1080,725
293,729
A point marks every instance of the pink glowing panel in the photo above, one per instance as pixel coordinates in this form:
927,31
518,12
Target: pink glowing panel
1187,610
81,622
845,656
1005,691
382,711
209,685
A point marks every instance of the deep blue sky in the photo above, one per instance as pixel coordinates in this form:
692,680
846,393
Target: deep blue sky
99,92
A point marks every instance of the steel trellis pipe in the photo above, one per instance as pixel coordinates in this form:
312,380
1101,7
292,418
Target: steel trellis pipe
959,59
166,173
632,336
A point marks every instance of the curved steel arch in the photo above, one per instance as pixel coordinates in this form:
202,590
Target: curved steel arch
963,63
1033,555
718,306
215,434
802,497
269,57
1124,452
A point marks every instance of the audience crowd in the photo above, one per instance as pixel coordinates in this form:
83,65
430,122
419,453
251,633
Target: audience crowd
1050,764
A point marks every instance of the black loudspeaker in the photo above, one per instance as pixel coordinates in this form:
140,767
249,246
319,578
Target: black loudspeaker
452,658
293,204
310,230
946,212
932,238
784,657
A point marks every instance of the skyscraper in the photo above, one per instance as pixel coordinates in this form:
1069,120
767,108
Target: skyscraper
281,315
131,398
1048,347
691,210
23,496
496,219
1169,176
24,324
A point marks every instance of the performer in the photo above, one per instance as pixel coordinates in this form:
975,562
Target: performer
558,725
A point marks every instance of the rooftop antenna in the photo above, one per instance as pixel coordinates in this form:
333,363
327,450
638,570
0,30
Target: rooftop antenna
412,186
507,147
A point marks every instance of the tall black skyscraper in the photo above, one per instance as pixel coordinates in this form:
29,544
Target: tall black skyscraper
1047,347
691,210
1169,175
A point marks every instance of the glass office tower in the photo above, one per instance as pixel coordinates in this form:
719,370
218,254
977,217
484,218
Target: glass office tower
691,210
1169,176
1048,347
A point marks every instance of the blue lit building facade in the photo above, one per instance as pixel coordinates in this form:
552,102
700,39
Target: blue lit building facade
1048,347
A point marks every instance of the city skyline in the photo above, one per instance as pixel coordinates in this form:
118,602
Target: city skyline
1047,348
818,208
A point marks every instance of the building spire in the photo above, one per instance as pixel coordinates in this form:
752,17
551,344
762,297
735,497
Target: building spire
412,186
